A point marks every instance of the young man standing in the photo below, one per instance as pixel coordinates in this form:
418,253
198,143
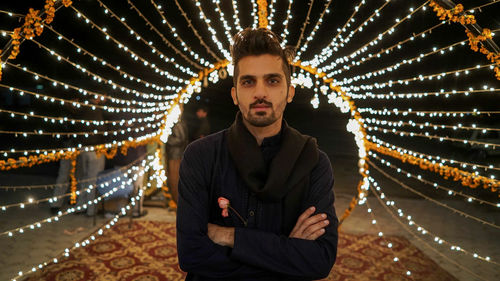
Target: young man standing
256,199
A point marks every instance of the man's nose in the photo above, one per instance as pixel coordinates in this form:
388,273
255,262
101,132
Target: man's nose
260,90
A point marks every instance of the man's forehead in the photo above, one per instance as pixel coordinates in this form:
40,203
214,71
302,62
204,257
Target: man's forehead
262,65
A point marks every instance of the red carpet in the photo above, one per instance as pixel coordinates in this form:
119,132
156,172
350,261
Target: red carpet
147,252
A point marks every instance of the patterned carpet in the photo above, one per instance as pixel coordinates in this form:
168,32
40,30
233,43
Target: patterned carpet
147,252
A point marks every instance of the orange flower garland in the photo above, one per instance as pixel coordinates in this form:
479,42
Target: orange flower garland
262,12
467,179
73,179
453,15
67,3
50,11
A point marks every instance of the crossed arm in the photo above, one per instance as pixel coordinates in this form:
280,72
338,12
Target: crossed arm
308,227
218,252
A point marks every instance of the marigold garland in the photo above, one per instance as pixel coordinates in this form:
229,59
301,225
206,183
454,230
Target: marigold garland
50,11
67,3
262,12
466,178
453,15
73,179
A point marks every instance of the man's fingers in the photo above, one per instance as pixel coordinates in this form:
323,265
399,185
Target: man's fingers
316,234
306,214
315,227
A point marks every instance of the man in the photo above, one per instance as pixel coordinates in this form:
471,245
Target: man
175,146
280,223
200,126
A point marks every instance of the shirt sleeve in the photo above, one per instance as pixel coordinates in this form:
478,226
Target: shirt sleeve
197,253
298,258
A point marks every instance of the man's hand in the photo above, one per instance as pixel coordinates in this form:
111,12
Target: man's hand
309,227
221,235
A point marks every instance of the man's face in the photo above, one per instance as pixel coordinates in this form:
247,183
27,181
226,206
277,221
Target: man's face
261,91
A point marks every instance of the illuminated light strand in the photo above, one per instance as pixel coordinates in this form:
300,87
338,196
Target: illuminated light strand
411,123
285,32
416,78
236,16
132,54
126,75
316,27
322,57
406,61
466,178
407,229
431,113
407,187
482,6
12,14
75,134
303,29
255,14
196,33
186,47
20,230
227,55
379,37
47,186
150,43
87,122
85,241
147,137
449,191
442,92
169,44
389,245
83,91
31,201
61,101
360,27
104,80
270,17
433,157
227,29
423,231
384,51
429,136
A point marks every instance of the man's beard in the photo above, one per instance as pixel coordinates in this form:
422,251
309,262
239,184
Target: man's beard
261,118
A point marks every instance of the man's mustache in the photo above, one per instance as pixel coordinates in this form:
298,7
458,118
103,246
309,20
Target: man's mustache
260,102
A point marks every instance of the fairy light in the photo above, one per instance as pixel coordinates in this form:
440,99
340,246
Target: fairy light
304,25
227,29
422,230
407,81
395,66
84,242
270,17
56,218
255,14
149,43
315,29
185,47
110,82
202,42
125,75
419,178
383,51
411,123
288,18
441,92
379,37
133,55
430,136
226,53
236,16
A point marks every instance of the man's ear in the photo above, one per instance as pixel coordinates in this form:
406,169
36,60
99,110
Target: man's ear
233,95
291,94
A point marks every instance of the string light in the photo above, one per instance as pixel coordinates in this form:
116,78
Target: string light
469,198
303,29
186,48
441,92
202,42
405,186
288,18
236,16
316,27
390,204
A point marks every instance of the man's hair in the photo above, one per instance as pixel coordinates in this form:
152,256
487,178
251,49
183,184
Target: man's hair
259,41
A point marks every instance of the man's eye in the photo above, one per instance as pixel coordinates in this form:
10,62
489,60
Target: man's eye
274,81
246,82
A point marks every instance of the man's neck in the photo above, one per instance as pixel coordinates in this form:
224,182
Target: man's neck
263,132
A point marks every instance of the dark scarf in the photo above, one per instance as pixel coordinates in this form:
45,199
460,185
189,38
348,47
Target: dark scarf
288,176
